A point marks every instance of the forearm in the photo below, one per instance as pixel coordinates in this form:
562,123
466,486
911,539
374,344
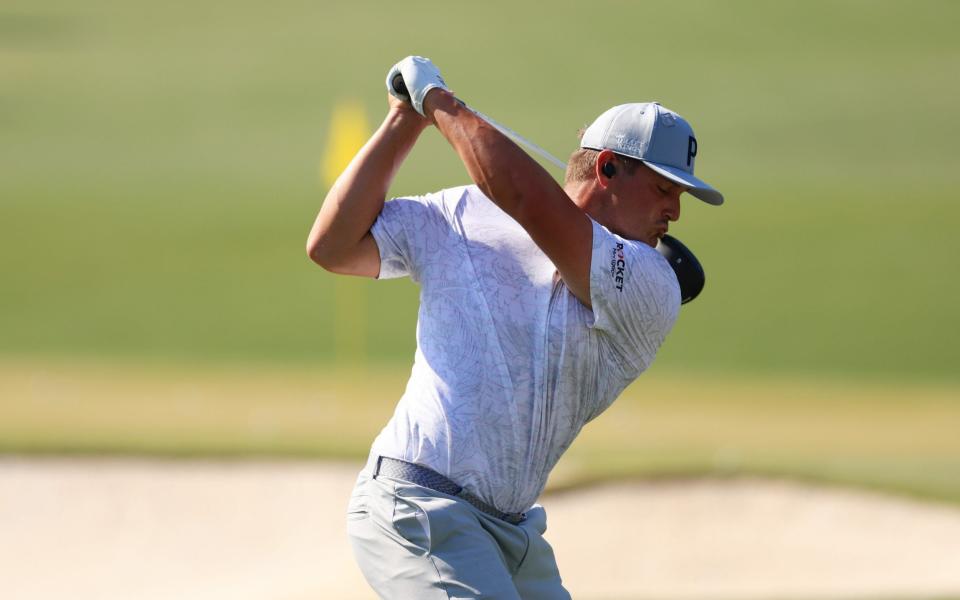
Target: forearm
500,168
356,198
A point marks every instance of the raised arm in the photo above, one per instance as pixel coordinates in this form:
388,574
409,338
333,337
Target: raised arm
340,240
519,186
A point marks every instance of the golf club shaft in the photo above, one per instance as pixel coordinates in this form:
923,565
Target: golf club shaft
401,88
518,138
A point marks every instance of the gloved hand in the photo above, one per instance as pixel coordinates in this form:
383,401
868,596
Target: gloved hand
411,79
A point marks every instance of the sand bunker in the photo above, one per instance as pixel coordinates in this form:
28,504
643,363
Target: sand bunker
151,530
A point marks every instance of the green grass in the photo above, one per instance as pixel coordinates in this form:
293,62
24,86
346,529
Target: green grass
159,173
667,424
159,170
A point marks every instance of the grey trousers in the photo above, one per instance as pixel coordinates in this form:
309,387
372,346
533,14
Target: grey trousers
414,543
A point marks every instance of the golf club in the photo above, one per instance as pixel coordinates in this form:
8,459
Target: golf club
400,87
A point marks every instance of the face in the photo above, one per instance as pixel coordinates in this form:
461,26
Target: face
642,204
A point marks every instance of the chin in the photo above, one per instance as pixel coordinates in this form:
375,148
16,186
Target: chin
651,240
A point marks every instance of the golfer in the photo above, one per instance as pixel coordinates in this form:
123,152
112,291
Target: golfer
539,304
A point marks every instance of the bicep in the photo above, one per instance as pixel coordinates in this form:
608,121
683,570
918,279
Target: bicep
565,234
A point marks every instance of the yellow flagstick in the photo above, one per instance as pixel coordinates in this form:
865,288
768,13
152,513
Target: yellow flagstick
349,131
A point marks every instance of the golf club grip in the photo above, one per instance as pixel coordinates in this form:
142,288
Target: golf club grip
399,86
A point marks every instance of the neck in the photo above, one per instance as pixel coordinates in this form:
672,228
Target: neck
585,194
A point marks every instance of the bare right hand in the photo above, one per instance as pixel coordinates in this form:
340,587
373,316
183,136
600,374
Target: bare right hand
405,111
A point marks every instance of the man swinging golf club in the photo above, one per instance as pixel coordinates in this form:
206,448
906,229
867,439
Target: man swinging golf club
539,304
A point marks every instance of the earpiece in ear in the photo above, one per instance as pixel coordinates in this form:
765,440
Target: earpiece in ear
609,170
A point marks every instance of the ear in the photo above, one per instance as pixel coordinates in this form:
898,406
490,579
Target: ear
605,156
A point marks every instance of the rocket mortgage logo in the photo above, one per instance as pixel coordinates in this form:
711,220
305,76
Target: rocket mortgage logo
617,266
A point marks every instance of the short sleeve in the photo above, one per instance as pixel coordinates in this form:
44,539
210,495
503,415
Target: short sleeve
634,293
404,232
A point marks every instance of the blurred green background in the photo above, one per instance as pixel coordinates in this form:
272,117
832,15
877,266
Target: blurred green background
160,171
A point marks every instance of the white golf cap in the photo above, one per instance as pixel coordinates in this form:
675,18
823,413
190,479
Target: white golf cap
659,137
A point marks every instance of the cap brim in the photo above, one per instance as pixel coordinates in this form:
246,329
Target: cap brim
696,187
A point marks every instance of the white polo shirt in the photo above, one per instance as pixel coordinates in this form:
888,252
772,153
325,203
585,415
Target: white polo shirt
509,364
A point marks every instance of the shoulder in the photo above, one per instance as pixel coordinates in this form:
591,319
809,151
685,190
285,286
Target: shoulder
464,194
440,203
446,200
467,205
635,298
629,257
633,272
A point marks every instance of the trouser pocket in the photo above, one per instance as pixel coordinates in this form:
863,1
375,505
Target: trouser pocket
411,523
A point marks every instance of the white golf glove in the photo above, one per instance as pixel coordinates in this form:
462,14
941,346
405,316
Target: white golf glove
419,75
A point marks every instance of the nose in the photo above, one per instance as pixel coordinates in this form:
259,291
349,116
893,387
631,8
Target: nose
672,210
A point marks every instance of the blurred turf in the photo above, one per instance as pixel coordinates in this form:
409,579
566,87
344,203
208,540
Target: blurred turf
666,424
160,170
